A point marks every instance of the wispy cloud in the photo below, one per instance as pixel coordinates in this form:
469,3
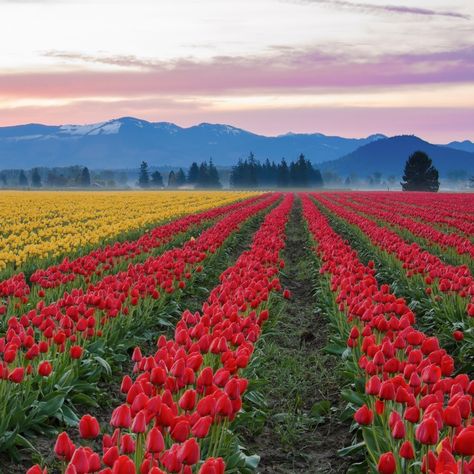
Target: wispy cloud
293,70
370,7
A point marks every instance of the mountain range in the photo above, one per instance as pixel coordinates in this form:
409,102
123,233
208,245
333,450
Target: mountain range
123,143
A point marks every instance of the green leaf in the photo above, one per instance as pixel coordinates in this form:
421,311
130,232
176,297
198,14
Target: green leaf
104,364
358,468
335,349
84,400
69,416
50,406
353,397
251,461
353,449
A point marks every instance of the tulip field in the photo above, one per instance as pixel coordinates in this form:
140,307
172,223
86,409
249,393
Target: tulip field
236,332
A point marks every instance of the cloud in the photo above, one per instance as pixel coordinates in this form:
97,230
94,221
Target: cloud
293,70
369,7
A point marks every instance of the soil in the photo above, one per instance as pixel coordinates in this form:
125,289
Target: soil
298,375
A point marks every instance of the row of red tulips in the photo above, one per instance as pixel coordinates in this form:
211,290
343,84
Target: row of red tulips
104,259
452,210
386,213
450,217
416,261
414,414
177,410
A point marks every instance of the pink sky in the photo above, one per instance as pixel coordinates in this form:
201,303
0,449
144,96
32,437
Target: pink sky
331,66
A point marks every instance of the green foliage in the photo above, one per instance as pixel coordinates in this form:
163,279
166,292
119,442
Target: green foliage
420,174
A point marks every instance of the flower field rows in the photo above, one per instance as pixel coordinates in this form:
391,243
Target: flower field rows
45,225
143,346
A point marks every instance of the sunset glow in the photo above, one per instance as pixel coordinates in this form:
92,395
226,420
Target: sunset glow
337,67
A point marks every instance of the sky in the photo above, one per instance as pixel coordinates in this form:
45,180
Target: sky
340,67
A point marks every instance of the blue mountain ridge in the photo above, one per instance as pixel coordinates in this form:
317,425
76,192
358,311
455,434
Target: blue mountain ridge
124,142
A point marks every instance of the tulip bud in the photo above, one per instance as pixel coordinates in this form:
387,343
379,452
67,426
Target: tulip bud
364,416
387,464
407,451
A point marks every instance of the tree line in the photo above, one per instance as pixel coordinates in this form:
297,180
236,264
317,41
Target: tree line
74,176
204,175
251,173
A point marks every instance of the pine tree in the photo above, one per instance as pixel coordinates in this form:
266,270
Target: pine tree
35,178
214,181
172,179
156,179
22,179
193,173
180,178
283,176
420,174
203,177
85,180
144,178
316,179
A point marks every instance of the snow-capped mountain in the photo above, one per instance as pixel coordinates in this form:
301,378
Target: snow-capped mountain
126,141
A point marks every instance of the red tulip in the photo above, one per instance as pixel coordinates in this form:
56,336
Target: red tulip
180,432
121,417
398,430
127,444
387,464
189,453
76,352
407,451
188,400
123,465
452,416
427,432
36,469
154,441
45,368
64,447
80,461
464,442
139,423
89,427
201,428
16,376
364,416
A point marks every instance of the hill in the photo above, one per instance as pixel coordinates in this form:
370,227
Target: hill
388,156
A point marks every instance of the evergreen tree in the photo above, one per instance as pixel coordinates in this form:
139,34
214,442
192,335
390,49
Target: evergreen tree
156,179
172,179
214,181
144,177
22,179
193,173
283,174
35,178
420,174
85,180
180,178
236,175
203,176
252,171
316,179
